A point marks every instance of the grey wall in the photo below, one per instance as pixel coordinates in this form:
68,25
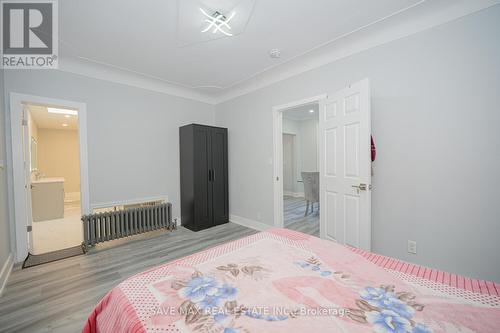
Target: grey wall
436,123
4,216
133,134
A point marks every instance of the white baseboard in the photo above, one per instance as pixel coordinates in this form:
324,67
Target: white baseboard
5,273
249,223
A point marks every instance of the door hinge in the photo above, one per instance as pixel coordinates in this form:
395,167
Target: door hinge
277,179
24,122
29,228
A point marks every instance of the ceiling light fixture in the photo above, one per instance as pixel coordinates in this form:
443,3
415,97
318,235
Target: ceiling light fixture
275,53
67,116
64,125
218,22
62,111
311,111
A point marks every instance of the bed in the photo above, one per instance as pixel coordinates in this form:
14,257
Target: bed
286,281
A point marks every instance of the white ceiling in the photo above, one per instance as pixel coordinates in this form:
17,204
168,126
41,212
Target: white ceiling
302,112
139,38
45,120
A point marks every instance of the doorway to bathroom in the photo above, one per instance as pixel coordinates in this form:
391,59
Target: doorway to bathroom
54,177
49,177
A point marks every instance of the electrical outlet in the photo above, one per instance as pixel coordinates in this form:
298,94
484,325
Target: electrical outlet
412,247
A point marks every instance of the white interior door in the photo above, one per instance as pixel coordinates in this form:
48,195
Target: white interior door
345,169
27,177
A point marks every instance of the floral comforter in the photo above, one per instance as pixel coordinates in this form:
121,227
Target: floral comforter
285,281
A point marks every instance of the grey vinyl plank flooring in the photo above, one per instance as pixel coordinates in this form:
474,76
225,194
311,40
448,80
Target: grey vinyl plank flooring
58,297
294,219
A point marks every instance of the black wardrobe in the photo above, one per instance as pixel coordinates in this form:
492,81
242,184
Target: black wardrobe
203,168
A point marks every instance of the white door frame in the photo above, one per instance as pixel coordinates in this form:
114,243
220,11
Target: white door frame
26,142
278,153
18,178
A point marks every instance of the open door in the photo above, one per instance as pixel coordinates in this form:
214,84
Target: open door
345,170
27,162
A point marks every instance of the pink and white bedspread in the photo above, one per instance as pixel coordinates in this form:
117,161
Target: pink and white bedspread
285,281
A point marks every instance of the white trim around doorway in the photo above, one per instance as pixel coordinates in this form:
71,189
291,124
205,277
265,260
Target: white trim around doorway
16,174
278,153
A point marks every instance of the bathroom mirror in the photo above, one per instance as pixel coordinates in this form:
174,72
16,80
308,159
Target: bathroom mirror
34,153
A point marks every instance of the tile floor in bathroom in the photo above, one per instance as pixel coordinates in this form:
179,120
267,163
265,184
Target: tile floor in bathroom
53,235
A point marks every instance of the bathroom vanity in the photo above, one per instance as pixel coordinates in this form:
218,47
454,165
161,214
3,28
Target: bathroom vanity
47,199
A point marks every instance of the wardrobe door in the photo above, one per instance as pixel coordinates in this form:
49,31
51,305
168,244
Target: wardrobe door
220,200
202,185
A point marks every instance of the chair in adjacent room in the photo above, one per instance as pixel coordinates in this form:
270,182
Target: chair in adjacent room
311,189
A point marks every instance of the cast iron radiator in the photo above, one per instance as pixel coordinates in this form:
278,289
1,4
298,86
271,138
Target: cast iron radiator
102,227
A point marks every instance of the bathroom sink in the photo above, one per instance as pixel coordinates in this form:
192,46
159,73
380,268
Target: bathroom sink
48,180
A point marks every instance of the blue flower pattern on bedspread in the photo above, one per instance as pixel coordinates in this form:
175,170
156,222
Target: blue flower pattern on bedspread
381,307
392,312
315,267
199,288
380,298
387,321
207,293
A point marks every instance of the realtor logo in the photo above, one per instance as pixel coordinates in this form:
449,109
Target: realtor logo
29,34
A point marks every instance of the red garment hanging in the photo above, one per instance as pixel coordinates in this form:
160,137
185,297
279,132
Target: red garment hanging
374,150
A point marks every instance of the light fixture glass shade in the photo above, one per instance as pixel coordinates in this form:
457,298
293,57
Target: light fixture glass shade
195,16
218,23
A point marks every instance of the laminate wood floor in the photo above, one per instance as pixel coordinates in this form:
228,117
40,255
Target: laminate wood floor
294,209
59,296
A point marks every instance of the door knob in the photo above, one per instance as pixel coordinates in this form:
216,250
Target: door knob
360,187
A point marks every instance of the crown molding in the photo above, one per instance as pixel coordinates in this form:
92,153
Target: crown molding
133,79
426,15
423,16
